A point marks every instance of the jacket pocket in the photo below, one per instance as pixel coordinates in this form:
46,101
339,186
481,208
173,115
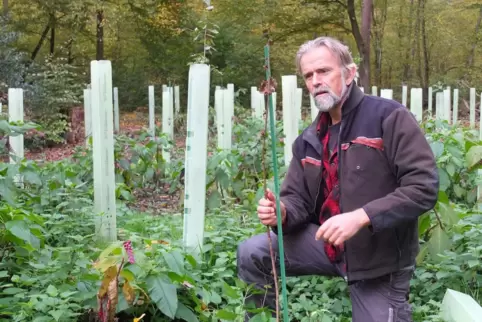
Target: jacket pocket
312,168
365,157
364,163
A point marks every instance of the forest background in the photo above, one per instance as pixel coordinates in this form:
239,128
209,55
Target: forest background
46,47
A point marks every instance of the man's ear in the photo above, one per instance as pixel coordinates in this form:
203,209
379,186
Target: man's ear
351,74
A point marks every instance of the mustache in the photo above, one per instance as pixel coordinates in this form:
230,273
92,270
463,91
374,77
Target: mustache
322,90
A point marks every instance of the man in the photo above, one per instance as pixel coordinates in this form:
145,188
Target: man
360,177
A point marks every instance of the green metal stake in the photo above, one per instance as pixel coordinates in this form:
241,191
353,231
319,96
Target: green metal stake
276,186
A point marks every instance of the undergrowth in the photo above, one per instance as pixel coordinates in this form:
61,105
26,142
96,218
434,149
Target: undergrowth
52,267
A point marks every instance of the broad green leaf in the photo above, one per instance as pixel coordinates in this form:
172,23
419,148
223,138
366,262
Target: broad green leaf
4,127
442,197
226,315
423,224
13,290
174,260
57,314
438,243
455,151
437,148
471,195
229,291
442,274
458,190
444,179
450,169
20,230
185,313
448,214
52,291
473,263
32,177
473,156
164,294
127,274
214,200
114,248
424,250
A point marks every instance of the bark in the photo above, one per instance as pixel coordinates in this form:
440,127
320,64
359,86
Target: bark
41,41
364,80
407,72
470,59
100,35
426,60
5,7
378,30
416,46
366,31
70,58
52,37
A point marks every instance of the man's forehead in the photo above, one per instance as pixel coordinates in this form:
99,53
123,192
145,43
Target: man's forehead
319,56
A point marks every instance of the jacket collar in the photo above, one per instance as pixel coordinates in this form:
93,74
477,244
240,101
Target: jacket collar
355,96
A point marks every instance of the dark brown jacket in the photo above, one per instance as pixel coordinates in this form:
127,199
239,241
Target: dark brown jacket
386,166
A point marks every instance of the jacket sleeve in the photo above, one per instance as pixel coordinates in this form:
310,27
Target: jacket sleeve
295,196
414,164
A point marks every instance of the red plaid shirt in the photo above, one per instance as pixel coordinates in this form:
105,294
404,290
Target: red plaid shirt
331,191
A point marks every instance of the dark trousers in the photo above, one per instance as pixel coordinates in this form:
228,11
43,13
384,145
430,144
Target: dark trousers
378,300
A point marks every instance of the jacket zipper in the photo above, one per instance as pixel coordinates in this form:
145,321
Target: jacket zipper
339,187
319,176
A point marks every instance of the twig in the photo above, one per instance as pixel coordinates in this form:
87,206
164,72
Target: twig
266,89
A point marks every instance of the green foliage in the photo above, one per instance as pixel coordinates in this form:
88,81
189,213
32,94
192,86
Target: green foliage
458,152
11,59
458,158
12,129
238,174
53,268
57,87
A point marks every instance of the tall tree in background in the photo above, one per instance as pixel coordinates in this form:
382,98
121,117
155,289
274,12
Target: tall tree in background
366,32
362,38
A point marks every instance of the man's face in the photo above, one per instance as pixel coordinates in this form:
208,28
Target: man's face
323,77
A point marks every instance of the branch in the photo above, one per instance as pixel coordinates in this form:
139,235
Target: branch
339,2
438,219
304,28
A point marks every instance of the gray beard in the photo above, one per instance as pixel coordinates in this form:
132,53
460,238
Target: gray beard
329,100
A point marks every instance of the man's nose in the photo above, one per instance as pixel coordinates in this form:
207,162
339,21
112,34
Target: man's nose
317,80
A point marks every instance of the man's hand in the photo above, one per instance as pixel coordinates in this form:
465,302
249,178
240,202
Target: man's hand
338,229
267,210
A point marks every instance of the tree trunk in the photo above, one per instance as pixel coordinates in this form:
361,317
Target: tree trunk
378,29
5,7
70,58
100,35
364,80
52,37
41,41
415,55
470,59
407,71
366,31
426,64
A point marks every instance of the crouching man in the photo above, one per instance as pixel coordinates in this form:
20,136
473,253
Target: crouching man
361,175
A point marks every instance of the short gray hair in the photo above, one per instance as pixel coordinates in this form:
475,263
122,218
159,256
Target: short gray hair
340,50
